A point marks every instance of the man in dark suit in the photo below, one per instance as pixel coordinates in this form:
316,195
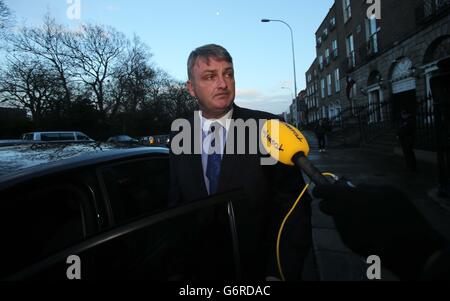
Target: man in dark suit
269,191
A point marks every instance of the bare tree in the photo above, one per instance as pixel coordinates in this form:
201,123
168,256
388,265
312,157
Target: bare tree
132,79
180,102
94,54
46,44
29,84
5,18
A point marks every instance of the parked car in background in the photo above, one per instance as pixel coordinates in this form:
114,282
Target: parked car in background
122,139
159,140
147,140
162,140
65,136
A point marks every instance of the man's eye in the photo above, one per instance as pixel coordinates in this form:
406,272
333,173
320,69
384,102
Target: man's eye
209,77
229,75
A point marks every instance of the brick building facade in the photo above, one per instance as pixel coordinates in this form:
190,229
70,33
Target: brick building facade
362,61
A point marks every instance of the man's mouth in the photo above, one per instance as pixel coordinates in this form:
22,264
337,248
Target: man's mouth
222,95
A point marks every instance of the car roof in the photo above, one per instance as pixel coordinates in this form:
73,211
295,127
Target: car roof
97,156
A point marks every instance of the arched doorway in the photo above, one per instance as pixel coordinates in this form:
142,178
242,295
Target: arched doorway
403,87
438,50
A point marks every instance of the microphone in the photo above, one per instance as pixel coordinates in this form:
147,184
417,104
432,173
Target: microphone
287,144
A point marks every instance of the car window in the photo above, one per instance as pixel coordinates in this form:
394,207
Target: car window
82,137
66,136
181,245
185,241
38,223
49,136
28,137
137,187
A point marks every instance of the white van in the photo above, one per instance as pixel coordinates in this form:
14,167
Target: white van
56,136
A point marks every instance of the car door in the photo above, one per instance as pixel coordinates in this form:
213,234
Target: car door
40,218
130,190
141,238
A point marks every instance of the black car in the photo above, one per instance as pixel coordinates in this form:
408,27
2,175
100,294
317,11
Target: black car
106,206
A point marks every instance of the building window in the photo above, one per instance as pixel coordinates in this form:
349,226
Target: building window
322,86
325,34
332,23
350,51
372,35
327,56
321,62
347,10
334,49
337,80
329,82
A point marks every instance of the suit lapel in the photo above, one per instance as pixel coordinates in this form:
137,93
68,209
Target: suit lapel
194,161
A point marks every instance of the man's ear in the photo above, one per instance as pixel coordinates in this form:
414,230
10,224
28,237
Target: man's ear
190,88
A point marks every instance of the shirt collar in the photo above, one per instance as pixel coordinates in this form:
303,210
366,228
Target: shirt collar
223,121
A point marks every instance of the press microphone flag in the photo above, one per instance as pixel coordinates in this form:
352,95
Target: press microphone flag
287,144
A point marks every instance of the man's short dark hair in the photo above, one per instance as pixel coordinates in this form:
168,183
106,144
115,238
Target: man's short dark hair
207,52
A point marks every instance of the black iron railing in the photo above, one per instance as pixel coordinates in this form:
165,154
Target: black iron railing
426,125
364,123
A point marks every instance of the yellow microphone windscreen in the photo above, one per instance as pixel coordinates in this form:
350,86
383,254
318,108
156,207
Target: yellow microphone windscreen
282,141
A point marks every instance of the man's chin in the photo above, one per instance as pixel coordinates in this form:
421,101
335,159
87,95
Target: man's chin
218,111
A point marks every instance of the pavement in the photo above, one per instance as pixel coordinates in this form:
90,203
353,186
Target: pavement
333,260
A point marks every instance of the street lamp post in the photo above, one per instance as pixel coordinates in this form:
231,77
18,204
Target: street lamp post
293,50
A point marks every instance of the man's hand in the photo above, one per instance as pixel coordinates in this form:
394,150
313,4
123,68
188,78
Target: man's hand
381,221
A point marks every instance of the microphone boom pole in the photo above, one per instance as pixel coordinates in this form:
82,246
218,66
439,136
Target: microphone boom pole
302,162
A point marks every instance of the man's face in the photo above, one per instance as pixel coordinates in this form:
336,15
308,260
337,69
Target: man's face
213,85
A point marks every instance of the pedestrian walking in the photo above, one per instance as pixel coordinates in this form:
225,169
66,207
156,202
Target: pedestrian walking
406,135
321,131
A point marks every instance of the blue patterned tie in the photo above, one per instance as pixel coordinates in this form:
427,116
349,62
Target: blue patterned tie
214,163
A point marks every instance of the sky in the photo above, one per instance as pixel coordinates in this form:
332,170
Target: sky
261,52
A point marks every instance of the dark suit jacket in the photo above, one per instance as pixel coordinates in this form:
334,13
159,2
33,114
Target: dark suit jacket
269,193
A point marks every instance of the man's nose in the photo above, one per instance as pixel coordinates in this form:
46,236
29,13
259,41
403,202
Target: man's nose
221,82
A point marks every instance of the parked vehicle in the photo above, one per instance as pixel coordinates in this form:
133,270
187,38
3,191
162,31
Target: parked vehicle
106,205
122,139
147,141
162,140
159,140
56,136
12,142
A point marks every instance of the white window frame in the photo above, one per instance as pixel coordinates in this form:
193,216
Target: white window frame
350,43
329,84
337,80
322,86
347,6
